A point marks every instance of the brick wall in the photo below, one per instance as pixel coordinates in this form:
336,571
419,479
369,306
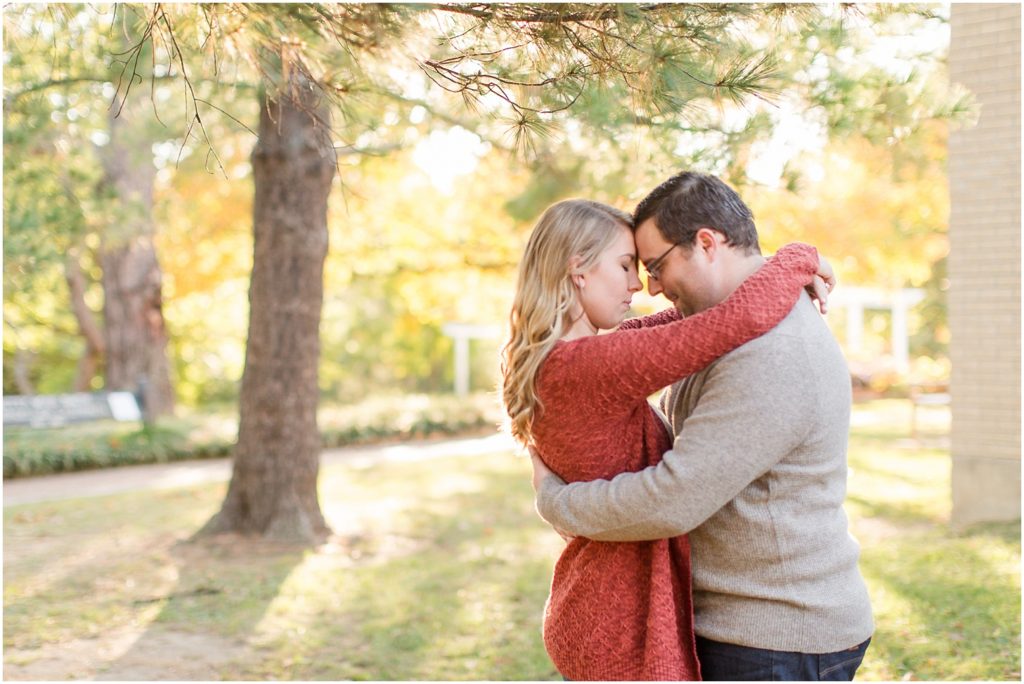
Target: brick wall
985,266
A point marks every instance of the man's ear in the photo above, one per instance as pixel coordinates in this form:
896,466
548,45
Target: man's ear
708,241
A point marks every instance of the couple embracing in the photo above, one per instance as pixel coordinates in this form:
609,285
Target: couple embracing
707,540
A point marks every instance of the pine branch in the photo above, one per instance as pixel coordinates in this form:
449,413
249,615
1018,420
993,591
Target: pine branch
447,118
497,12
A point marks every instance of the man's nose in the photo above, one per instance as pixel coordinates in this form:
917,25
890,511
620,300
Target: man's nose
653,286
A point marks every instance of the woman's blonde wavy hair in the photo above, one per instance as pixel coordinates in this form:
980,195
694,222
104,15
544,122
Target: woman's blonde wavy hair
545,294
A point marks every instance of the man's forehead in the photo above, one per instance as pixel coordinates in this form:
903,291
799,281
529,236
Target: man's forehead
648,224
648,237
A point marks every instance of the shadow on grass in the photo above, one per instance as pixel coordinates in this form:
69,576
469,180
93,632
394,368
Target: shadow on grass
223,591
106,587
431,577
461,600
962,599
899,513
918,453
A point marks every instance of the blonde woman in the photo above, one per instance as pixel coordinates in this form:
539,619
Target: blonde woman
617,611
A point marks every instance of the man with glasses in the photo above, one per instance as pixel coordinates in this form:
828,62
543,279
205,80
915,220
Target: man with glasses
757,474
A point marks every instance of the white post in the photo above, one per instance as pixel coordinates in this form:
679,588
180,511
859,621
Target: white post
462,333
903,300
461,365
900,337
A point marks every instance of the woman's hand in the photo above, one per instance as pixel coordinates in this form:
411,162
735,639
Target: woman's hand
824,282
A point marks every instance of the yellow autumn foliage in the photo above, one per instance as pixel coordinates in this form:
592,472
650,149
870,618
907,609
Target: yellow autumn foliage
880,224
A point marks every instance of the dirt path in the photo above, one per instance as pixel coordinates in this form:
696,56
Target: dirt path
141,649
131,653
188,473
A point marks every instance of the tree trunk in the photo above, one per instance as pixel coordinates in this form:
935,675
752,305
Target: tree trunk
22,368
87,326
276,462
136,338
23,359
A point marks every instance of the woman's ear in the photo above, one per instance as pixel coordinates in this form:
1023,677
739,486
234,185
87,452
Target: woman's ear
574,270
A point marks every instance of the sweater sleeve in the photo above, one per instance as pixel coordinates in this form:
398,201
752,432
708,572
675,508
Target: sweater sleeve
660,318
740,429
632,364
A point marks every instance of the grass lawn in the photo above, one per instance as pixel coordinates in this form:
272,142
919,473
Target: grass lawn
439,570
947,604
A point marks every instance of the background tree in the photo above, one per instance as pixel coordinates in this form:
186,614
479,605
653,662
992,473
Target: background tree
269,495
135,332
293,166
606,98
101,225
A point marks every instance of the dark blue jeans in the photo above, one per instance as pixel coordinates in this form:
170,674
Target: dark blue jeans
729,662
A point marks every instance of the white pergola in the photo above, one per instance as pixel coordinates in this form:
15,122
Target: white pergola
462,333
854,300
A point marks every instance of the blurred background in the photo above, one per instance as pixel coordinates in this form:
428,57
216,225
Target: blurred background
428,217
166,215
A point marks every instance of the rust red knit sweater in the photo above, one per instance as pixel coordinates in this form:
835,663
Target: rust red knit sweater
623,611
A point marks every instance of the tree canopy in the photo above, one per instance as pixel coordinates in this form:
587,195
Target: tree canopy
601,100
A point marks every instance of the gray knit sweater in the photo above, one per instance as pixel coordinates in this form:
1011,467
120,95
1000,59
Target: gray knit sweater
757,477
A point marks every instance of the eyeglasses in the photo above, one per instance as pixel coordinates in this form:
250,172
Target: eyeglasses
654,267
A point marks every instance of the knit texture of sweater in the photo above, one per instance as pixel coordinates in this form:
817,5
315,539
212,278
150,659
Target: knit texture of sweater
623,611
757,477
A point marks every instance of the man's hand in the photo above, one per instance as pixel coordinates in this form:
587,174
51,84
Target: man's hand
540,472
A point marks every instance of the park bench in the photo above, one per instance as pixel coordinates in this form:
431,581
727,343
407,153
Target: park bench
55,410
925,396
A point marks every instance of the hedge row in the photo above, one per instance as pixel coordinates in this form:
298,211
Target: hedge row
109,444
